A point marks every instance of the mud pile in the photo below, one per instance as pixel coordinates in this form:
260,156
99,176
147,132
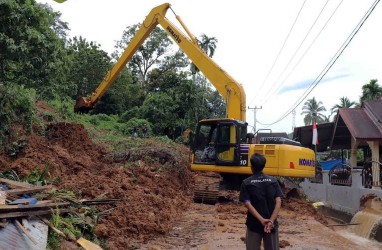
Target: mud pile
152,194
295,201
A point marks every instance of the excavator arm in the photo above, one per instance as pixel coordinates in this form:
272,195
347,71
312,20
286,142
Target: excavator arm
232,92
219,144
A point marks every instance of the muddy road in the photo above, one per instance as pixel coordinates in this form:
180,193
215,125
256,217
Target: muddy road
222,227
155,186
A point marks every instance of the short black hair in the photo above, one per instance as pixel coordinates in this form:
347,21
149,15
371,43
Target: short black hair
258,162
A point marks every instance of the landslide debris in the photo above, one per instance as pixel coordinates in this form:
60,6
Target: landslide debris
154,182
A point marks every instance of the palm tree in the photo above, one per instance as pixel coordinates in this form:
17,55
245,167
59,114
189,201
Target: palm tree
208,44
344,103
326,118
371,91
313,111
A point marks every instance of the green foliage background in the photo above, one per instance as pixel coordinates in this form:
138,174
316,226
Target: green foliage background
38,61
159,86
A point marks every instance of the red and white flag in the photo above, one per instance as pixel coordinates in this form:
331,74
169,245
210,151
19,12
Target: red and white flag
315,134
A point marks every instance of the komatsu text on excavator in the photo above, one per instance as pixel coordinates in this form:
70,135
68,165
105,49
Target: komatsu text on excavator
218,145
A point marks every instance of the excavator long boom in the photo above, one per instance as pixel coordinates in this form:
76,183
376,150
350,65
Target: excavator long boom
232,92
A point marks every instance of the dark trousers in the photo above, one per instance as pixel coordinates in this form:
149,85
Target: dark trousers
270,240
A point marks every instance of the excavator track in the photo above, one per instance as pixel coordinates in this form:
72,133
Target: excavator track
207,189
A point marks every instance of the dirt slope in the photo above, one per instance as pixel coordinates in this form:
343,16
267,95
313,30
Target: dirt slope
153,195
155,185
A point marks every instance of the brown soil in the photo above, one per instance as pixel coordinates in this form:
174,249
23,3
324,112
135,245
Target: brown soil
366,198
207,227
153,195
156,210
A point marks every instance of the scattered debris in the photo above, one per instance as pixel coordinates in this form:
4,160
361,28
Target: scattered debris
33,236
88,245
143,183
18,204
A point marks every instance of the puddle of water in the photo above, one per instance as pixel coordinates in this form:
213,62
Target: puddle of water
360,241
369,221
368,233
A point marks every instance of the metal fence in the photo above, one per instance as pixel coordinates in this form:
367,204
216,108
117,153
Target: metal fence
340,175
367,175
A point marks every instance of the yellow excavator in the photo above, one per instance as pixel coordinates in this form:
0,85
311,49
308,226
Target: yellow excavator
219,145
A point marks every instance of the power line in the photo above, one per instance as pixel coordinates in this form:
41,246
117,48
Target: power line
306,51
279,53
328,66
254,116
267,95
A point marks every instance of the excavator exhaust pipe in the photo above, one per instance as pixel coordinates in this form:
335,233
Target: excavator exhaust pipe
83,105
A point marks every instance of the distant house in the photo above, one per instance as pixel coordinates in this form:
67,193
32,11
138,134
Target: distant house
353,128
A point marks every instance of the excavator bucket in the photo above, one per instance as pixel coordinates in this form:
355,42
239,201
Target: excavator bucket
83,105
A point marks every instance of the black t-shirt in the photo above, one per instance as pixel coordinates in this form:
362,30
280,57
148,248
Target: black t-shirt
261,190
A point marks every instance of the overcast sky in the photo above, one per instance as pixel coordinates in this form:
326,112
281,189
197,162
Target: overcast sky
251,36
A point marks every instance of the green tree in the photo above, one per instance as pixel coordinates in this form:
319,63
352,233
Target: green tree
148,55
326,118
208,44
16,113
176,86
371,91
159,110
31,53
123,95
344,103
87,66
313,111
216,104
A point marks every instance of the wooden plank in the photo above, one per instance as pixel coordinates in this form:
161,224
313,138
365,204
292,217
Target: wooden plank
30,213
52,227
3,197
11,236
15,184
44,202
27,190
99,202
88,245
342,225
24,201
25,232
32,207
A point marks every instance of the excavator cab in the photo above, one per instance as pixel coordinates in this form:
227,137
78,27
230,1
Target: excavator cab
218,142
219,145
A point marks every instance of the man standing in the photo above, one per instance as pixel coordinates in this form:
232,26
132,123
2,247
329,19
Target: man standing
261,195
144,131
135,132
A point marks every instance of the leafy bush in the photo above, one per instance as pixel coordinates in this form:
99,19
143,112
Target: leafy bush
128,127
94,120
104,117
16,112
164,139
131,113
64,106
100,121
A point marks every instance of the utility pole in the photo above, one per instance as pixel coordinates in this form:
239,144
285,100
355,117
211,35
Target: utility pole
254,117
293,119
